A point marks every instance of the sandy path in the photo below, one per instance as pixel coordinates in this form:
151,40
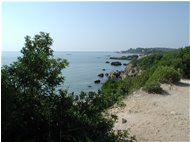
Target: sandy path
153,117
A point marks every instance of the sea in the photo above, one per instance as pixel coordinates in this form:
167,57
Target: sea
83,68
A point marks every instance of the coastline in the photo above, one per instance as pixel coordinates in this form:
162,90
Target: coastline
157,117
83,68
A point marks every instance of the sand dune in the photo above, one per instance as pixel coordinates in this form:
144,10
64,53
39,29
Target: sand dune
153,117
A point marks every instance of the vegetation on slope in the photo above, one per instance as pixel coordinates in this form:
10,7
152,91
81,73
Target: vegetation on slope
156,68
33,111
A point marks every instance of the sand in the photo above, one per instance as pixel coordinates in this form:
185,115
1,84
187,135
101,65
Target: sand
157,117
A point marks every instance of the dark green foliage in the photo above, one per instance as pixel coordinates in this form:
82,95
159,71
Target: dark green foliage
111,92
36,71
179,60
185,57
165,74
24,116
152,87
148,61
32,111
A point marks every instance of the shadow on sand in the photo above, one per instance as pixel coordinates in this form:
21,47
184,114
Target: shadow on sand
164,93
182,84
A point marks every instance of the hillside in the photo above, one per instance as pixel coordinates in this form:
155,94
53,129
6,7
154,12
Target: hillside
148,72
154,50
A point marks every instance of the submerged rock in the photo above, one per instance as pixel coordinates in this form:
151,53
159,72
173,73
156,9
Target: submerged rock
103,69
107,62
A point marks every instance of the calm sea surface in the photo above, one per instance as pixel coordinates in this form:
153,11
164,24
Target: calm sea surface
82,70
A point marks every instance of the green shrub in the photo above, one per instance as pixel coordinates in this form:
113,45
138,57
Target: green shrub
165,74
152,87
149,61
185,55
113,91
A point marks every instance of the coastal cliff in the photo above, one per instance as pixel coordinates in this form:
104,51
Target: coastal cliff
130,70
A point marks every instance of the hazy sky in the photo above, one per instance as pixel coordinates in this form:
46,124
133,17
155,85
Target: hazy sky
97,26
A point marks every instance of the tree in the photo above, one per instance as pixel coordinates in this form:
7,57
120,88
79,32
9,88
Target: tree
25,83
36,71
33,111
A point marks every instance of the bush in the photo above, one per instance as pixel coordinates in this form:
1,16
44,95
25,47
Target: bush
152,87
149,61
165,75
112,91
185,55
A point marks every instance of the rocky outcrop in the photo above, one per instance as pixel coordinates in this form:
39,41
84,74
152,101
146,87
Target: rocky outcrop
101,75
131,70
116,63
115,75
97,81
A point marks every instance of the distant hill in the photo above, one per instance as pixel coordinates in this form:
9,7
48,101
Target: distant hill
147,50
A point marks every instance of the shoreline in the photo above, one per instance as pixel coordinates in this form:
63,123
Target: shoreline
157,117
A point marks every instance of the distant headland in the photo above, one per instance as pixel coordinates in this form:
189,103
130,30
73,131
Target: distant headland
141,50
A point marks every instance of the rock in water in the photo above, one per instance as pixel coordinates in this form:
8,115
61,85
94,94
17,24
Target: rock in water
97,81
101,75
116,63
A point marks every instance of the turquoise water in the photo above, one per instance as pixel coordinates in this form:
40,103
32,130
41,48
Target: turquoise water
82,70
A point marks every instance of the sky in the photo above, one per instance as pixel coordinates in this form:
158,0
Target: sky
97,26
